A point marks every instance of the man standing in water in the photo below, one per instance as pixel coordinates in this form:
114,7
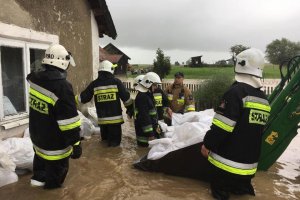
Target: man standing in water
107,92
145,115
233,143
180,98
54,123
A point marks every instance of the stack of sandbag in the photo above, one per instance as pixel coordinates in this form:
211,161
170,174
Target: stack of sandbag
15,154
188,129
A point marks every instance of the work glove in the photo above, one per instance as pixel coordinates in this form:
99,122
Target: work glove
77,151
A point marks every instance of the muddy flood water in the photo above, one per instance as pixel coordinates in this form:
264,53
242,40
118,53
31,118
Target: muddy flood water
107,173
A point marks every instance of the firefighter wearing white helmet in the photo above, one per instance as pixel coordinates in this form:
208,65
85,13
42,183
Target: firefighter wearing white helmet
56,55
137,80
108,92
233,143
249,66
145,114
107,66
54,124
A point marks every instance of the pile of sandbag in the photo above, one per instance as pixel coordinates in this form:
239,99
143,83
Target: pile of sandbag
15,154
188,129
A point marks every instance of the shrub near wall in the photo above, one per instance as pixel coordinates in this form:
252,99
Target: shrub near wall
211,91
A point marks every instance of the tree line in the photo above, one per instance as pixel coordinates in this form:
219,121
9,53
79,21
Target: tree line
277,52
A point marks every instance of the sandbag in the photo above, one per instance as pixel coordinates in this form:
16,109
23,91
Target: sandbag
7,177
20,151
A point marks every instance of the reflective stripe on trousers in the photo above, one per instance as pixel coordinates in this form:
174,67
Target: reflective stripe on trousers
232,166
53,155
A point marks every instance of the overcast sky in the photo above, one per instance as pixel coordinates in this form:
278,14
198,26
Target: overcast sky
187,28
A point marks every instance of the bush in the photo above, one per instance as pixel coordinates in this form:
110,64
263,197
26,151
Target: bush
211,91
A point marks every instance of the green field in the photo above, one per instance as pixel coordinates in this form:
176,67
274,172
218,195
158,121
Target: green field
270,72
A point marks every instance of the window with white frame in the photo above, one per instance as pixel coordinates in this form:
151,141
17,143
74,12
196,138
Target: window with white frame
19,57
17,60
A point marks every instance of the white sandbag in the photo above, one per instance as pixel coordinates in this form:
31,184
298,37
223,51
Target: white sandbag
94,119
202,116
5,160
20,151
86,127
184,135
7,177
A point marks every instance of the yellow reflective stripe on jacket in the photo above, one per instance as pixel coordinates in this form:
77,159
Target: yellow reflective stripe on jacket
42,93
111,120
147,128
77,143
256,103
190,108
105,89
180,101
42,96
257,106
158,99
231,166
152,112
53,155
170,97
142,139
68,124
224,122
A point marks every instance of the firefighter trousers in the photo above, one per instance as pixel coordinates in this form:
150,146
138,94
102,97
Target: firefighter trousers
52,172
111,133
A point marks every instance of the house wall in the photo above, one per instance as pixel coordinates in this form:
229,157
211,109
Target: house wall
69,20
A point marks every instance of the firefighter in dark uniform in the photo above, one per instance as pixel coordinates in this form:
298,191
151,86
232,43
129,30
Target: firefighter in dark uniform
180,98
54,124
107,92
161,99
161,102
233,143
145,115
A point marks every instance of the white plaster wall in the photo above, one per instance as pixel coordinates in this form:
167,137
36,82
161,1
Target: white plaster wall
95,45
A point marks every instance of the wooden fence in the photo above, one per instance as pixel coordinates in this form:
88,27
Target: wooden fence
268,84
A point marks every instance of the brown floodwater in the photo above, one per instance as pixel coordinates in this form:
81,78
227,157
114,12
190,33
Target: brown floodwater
107,173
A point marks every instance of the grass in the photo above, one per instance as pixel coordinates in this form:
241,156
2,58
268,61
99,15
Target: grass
270,72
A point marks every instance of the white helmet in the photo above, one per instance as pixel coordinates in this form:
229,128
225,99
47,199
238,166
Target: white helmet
56,55
149,79
138,79
250,61
107,66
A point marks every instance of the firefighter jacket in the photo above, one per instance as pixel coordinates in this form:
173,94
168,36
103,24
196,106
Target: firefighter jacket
234,139
107,92
161,102
145,116
54,124
180,98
